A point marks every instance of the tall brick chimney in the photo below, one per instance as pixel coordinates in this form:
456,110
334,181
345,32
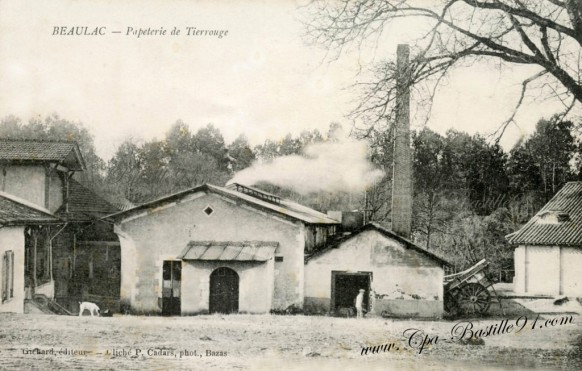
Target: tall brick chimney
402,176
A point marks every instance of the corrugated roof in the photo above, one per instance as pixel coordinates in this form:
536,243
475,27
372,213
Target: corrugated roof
562,231
15,211
386,232
229,250
84,204
66,153
285,208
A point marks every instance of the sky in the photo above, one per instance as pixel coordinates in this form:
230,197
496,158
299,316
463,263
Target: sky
260,80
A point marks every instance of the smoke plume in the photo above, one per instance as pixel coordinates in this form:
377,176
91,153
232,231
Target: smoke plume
331,166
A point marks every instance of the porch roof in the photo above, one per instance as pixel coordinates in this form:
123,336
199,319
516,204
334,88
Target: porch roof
229,250
16,211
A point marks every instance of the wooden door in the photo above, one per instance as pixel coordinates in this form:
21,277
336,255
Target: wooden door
224,286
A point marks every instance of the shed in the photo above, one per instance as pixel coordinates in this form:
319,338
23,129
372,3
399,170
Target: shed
401,279
548,252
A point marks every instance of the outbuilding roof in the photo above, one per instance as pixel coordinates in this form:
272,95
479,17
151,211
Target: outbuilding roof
559,222
84,204
284,208
64,153
229,250
16,211
387,233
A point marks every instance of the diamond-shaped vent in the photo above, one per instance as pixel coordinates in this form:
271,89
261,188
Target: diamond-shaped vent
208,210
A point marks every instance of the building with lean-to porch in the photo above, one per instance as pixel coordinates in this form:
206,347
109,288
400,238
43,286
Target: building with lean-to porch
217,249
55,249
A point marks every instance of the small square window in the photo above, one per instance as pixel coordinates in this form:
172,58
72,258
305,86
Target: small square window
278,258
208,210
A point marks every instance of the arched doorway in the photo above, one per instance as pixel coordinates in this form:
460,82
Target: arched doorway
223,291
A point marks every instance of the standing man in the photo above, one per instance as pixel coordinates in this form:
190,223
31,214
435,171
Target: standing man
360,303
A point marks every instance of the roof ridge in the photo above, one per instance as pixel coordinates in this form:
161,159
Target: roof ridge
386,232
316,217
39,140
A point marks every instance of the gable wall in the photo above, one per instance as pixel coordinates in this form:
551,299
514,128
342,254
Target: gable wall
405,281
27,182
165,232
12,238
548,270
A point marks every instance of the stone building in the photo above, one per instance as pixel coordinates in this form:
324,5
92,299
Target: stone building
401,278
238,249
548,252
217,249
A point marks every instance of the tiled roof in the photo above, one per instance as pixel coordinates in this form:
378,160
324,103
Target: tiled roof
84,204
66,153
566,227
285,208
229,250
15,211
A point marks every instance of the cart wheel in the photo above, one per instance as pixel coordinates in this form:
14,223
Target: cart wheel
474,298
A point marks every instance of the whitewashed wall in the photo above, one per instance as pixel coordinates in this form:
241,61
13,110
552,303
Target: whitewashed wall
12,238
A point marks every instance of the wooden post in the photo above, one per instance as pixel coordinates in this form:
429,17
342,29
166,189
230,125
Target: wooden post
35,237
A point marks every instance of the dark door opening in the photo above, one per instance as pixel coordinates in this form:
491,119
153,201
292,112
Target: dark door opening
224,284
346,286
172,277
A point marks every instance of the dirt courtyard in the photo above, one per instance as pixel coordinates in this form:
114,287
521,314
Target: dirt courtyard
269,342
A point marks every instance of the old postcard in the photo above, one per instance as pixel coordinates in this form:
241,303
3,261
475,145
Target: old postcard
296,184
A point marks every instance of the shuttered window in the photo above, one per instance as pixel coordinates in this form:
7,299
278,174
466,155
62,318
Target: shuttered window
8,275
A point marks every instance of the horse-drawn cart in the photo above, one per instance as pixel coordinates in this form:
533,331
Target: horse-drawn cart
470,291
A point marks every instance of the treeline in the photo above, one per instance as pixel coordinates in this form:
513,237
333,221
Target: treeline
468,192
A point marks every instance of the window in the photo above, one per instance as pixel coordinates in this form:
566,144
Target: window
208,210
8,275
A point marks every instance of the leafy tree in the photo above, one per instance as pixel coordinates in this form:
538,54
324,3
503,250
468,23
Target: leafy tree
552,147
524,173
159,167
155,171
429,184
470,238
307,137
241,154
124,172
289,145
378,200
475,168
209,140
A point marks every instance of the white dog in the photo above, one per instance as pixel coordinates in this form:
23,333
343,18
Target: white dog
91,307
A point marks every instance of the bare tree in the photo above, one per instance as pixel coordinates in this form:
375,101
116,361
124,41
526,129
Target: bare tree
546,34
